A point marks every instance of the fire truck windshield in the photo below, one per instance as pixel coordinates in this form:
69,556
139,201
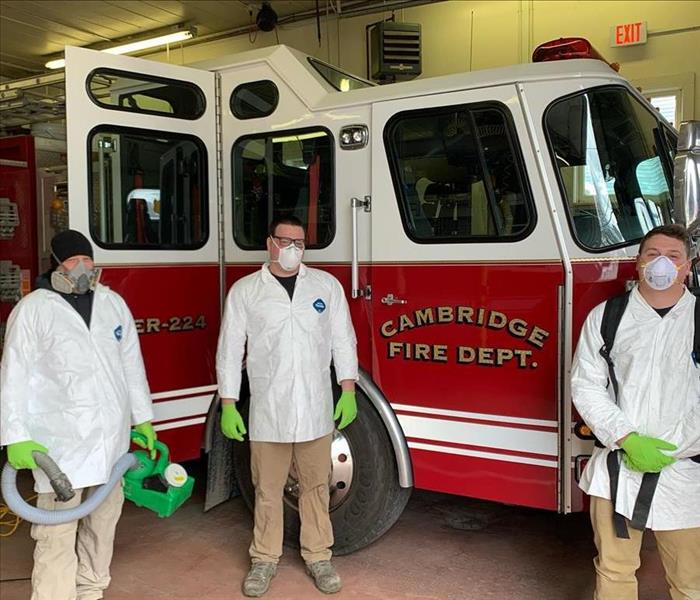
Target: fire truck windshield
614,161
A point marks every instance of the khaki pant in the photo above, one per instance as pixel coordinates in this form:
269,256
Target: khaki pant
269,464
618,559
72,560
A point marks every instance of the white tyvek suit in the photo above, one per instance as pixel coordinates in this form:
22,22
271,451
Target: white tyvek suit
74,390
659,396
289,351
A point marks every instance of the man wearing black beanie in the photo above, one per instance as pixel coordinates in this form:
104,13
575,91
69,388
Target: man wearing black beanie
68,249
70,243
72,383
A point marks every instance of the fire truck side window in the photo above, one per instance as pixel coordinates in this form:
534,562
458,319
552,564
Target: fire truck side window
119,90
281,174
458,175
254,99
147,189
614,162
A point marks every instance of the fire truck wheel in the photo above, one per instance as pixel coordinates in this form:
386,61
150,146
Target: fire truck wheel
365,496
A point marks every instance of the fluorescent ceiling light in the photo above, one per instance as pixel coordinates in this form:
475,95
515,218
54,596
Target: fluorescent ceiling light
161,40
59,63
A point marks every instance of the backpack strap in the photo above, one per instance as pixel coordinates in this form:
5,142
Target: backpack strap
612,315
642,505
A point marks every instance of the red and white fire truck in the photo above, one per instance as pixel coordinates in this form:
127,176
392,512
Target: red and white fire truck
474,220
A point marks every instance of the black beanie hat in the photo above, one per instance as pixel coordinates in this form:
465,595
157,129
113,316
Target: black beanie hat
70,243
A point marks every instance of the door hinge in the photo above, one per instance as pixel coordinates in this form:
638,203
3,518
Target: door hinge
365,203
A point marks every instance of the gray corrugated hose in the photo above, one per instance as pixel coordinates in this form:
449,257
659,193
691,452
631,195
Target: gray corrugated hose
63,490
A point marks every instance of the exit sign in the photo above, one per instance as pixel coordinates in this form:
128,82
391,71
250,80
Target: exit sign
628,34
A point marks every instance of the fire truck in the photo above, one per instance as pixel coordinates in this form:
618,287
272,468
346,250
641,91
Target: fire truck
474,220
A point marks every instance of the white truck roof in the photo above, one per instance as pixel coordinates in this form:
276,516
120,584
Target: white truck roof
294,68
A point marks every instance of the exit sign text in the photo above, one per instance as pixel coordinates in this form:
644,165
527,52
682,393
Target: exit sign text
628,34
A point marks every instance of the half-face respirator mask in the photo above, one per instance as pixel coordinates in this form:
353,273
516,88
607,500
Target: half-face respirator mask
78,280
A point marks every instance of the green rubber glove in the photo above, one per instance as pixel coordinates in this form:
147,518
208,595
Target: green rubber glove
345,409
232,425
644,453
147,431
19,454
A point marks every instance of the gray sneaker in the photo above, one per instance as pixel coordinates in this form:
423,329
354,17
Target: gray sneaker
324,575
257,581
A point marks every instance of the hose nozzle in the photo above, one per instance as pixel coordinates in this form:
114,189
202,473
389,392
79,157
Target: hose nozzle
59,481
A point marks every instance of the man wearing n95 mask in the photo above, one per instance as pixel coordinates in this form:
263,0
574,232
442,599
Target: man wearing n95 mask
72,383
654,427
292,321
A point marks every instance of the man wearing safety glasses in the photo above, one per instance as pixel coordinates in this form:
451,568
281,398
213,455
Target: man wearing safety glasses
290,321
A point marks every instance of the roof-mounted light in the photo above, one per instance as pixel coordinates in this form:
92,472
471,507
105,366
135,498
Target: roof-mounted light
569,48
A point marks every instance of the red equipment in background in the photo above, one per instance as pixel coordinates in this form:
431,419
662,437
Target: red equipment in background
19,260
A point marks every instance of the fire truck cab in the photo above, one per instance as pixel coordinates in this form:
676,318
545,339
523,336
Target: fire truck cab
473,219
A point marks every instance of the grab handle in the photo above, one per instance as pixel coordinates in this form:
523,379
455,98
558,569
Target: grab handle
366,204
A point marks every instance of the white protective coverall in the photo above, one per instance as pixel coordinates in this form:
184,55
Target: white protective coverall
290,346
75,390
659,396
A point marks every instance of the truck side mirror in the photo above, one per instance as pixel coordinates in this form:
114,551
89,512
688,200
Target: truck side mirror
686,177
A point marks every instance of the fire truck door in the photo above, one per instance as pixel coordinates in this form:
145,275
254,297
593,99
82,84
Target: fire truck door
465,284
277,165
142,186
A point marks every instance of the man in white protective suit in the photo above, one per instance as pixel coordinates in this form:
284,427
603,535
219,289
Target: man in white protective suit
292,320
72,383
644,473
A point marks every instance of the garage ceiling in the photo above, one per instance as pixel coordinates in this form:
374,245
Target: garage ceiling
33,30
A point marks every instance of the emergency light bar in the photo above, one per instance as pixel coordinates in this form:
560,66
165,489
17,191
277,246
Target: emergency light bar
569,48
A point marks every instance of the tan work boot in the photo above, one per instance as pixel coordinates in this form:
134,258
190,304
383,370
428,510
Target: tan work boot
257,581
324,575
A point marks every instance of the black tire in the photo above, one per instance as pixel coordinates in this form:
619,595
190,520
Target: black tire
374,501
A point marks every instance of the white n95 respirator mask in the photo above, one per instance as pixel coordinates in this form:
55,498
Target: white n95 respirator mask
290,257
660,273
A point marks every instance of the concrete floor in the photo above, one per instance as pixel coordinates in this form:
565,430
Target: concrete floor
442,548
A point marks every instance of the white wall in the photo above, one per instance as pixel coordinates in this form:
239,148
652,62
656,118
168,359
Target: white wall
465,35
